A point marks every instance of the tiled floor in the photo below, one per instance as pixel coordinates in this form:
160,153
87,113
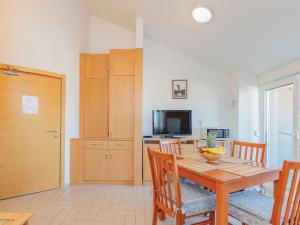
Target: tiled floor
87,205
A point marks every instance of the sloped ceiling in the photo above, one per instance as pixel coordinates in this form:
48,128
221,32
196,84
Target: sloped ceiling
253,36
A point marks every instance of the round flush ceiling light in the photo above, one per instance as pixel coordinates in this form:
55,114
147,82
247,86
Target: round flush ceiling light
202,14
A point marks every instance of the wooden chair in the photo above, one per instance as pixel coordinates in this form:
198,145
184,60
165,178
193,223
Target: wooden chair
177,200
251,207
249,151
170,146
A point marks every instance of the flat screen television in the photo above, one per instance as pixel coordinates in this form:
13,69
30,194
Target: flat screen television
172,122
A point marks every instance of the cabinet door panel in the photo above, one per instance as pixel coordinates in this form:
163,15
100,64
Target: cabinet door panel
95,165
121,165
96,108
96,66
121,62
121,107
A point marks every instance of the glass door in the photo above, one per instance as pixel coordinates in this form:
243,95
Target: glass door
280,121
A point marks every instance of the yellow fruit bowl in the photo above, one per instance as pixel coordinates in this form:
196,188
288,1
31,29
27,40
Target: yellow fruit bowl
212,154
210,157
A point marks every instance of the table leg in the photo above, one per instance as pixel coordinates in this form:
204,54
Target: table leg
222,205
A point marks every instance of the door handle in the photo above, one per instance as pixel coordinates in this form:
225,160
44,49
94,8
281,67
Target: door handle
52,131
287,134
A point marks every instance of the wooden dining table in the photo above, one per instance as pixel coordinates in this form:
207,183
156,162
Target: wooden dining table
225,176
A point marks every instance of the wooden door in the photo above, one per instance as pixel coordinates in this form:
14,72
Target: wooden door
121,107
95,165
30,133
121,62
120,165
96,108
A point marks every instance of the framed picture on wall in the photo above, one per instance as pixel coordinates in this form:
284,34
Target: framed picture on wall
179,89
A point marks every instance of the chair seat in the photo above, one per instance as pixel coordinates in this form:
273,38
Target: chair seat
251,207
196,200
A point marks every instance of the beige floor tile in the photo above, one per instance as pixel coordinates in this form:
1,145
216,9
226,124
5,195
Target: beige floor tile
88,205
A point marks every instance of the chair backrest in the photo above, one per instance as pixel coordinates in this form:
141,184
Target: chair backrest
249,151
170,146
166,183
287,201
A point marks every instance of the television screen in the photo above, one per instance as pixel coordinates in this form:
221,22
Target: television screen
172,122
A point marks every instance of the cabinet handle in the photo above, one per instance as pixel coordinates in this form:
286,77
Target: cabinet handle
105,156
121,144
110,156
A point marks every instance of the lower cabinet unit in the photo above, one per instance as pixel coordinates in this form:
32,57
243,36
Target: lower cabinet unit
102,161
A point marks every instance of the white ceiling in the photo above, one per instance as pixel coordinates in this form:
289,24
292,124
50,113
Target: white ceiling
250,35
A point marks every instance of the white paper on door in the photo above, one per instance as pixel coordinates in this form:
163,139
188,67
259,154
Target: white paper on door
30,104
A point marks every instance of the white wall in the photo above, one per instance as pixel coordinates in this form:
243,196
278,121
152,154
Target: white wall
209,89
105,36
245,116
248,125
48,35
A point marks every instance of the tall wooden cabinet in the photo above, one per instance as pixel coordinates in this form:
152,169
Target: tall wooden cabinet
106,149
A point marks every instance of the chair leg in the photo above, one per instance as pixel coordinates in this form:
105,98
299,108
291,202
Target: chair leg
245,224
155,214
179,219
212,217
183,219
162,215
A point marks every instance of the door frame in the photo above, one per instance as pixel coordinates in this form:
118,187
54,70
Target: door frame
37,72
293,79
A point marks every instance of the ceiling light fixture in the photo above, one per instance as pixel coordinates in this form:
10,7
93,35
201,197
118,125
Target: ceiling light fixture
202,14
